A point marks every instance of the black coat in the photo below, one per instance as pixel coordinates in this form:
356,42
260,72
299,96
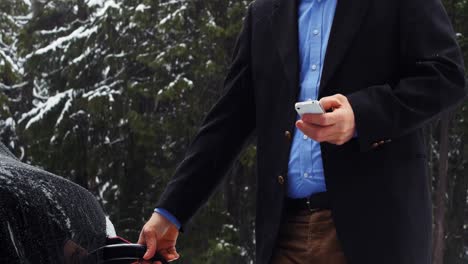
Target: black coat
398,63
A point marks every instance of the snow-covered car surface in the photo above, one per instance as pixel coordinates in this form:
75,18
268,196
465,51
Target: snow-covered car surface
45,218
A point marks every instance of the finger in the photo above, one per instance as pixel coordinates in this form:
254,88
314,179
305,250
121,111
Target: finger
151,243
173,252
330,102
318,133
326,119
170,254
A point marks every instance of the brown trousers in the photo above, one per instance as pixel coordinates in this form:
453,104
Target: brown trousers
308,238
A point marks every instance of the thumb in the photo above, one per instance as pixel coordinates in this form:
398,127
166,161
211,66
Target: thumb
329,102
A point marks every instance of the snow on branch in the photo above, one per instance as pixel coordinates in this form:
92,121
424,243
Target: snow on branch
55,30
142,8
92,3
10,61
51,103
173,2
79,33
81,57
10,18
108,4
44,108
179,79
104,90
172,15
5,87
65,109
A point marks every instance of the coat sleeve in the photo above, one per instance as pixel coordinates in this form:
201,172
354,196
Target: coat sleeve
219,140
431,81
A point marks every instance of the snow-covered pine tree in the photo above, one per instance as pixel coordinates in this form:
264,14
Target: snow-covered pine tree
13,15
109,93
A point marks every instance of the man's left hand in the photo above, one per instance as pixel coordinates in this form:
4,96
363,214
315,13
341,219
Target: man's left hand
336,126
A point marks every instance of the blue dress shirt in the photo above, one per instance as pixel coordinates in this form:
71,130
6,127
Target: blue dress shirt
305,168
168,216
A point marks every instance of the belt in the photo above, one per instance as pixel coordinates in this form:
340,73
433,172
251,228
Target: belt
313,203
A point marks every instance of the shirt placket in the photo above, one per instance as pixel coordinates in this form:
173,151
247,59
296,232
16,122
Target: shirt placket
314,46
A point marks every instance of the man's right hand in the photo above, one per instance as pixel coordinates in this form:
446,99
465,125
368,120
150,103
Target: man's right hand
159,235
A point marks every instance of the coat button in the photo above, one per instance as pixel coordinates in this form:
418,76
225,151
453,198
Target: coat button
287,134
281,180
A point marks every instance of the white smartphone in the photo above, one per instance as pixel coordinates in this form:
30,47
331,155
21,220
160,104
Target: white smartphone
309,107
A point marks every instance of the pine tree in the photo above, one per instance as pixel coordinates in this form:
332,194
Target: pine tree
111,93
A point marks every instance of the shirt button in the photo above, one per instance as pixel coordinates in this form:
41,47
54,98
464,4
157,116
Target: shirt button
316,32
305,137
306,175
314,67
281,180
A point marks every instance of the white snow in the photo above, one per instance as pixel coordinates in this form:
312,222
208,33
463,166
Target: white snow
13,239
110,229
160,55
104,90
178,79
12,87
10,18
189,82
82,56
65,109
23,20
171,2
10,122
142,8
40,90
79,33
42,109
53,31
105,72
49,194
171,16
10,61
21,157
92,3
5,171
108,4
119,55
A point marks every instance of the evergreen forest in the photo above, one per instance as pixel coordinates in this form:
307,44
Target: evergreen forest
110,93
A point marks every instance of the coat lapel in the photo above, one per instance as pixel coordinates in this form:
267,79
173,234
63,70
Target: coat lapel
285,33
349,15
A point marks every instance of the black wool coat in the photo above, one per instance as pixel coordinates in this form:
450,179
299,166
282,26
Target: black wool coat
397,62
